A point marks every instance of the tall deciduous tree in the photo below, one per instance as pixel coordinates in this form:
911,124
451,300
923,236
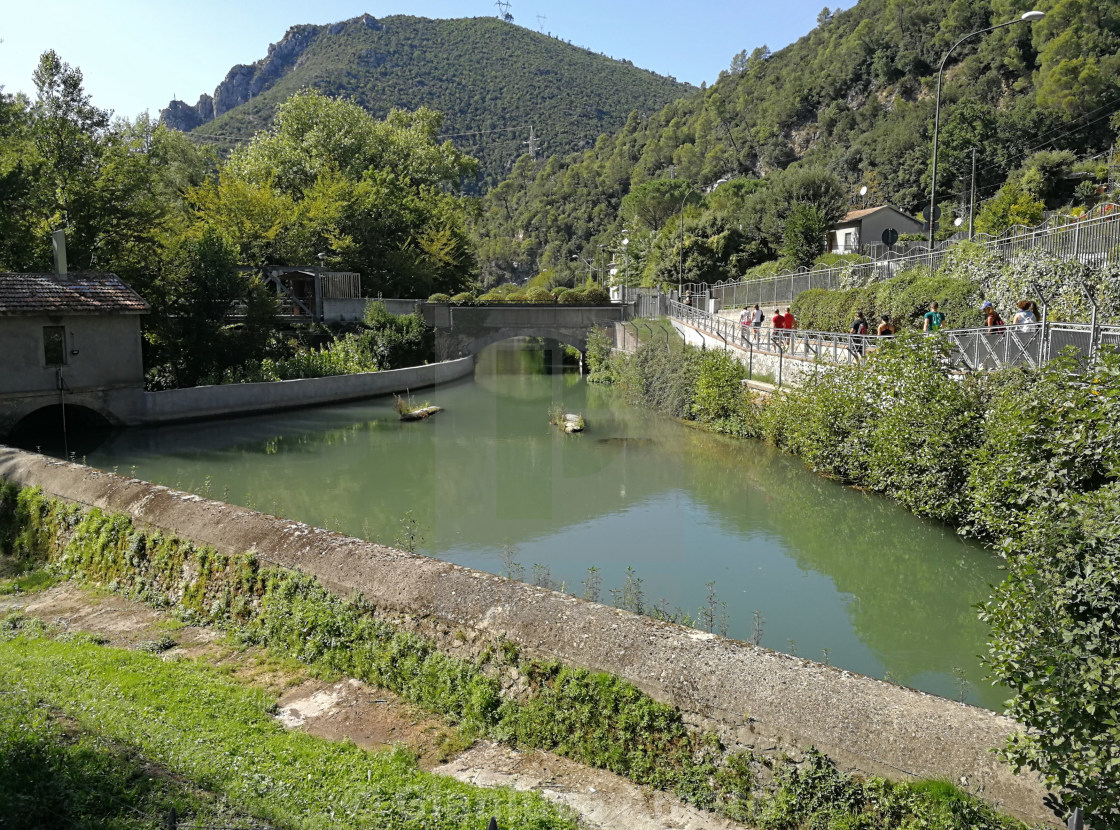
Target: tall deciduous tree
375,196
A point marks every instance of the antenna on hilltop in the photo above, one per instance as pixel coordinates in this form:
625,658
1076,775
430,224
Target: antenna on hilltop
503,10
540,22
532,142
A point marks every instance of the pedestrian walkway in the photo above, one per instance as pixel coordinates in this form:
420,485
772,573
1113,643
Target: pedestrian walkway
970,350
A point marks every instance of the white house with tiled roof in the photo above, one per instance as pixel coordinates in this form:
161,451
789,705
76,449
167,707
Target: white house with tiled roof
70,338
860,228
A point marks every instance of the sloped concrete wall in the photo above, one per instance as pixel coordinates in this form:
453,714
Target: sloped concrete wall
789,369
253,398
755,698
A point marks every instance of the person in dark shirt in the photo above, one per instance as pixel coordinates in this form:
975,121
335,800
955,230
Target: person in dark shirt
992,320
859,328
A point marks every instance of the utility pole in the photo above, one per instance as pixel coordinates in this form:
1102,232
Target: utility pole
1113,169
540,22
532,142
503,10
972,196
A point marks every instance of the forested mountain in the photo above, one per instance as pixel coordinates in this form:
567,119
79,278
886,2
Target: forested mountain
854,97
483,74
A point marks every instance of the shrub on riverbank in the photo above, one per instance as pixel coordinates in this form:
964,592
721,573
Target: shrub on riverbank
387,341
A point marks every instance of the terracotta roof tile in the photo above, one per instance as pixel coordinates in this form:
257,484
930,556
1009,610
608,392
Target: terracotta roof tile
853,215
74,293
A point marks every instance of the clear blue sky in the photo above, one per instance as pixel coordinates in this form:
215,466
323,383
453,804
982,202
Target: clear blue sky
137,54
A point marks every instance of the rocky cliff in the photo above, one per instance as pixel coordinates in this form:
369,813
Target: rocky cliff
244,82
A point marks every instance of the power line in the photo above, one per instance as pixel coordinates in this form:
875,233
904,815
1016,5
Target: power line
1051,136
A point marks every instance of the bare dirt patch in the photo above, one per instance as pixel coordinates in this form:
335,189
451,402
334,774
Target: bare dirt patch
602,799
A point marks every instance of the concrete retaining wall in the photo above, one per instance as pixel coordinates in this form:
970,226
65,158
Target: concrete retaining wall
254,398
754,698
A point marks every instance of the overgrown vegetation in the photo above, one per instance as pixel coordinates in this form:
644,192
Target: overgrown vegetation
1026,460
968,274
219,736
593,717
386,341
508,293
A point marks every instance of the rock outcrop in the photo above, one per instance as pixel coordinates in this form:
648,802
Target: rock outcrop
244,82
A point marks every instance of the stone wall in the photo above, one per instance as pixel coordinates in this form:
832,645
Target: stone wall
753,697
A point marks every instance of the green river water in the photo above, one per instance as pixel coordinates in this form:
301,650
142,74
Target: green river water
811,566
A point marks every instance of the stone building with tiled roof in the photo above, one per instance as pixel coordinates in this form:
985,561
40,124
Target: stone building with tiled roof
67,339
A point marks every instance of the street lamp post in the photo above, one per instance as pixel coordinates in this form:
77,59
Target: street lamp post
1026,17
626,276
680,271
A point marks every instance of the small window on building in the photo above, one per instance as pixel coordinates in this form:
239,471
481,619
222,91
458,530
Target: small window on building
54,345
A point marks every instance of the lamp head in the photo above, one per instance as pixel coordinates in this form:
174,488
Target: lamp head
1032,17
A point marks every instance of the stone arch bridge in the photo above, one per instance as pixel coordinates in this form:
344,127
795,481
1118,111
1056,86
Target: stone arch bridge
467,330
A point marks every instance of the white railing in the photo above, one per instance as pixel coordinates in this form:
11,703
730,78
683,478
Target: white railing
970,350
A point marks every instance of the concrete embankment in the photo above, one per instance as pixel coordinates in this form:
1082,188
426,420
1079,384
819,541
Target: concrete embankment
254,398
754,698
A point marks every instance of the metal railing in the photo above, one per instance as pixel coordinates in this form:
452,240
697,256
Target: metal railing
970,350
1092,239
340,285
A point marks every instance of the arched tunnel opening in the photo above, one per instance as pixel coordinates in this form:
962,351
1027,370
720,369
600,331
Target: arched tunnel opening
60,430
534,355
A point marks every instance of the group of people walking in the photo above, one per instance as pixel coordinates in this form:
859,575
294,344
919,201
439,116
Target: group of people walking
751,319
1027,315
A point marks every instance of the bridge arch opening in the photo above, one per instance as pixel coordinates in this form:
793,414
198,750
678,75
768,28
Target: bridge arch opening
549,337
54,430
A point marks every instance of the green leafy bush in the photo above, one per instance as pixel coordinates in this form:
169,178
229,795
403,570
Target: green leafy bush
904,298
595,295
439,298
538,296
569,297
599,349
464,298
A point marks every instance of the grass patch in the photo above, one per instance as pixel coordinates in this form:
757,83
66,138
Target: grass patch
57,774
30,582
222,737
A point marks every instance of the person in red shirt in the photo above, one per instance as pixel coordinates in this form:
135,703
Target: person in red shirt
789,322
779,323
